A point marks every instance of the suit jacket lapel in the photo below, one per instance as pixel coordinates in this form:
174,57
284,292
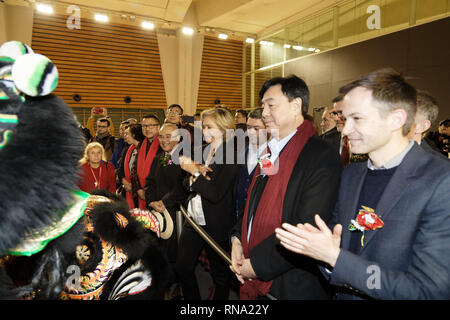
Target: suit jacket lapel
395,189
349,207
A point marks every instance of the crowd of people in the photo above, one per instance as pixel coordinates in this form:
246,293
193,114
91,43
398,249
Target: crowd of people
287,175
359,212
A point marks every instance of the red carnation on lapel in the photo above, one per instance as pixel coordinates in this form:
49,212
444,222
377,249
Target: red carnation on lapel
366,219
369,219
267,166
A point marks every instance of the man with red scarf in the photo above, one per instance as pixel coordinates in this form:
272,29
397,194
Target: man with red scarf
298,178
148,150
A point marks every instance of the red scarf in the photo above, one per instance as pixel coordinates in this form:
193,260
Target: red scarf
126,168
270,207
144,164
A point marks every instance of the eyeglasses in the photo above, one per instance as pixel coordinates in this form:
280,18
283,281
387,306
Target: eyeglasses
174,112
336,113
145,126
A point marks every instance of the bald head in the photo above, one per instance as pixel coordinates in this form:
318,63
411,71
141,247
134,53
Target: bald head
168,136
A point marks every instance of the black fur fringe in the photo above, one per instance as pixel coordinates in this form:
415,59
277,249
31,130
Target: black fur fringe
38,167
134,239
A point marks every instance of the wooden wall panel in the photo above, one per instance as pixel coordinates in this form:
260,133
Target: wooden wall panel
102,62
221,73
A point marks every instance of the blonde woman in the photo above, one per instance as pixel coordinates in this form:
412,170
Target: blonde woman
96,172
211,205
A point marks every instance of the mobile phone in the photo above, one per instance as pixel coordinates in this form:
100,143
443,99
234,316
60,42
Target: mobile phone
97,110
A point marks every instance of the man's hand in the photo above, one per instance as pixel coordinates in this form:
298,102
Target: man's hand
318,243
237,258
247,271
141,194
158,206
127,185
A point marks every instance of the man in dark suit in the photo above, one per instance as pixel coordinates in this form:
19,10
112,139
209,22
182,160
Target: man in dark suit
329,129
240,119
256,146
427,113
391,235
164,185
297,179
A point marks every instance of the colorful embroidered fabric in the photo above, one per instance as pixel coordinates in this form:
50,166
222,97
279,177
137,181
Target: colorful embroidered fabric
147,219
90,286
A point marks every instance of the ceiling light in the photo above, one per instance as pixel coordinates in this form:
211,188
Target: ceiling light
187,30
317,50
287,46
101,17
223,36
311,49
147,25
44,8
266,43
249,40
298,48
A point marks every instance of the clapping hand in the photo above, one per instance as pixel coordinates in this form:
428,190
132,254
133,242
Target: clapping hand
188,165
318,243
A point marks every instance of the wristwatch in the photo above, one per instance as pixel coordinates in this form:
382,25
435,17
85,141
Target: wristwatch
196,174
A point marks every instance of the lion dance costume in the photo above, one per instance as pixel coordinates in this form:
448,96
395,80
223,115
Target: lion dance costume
57,242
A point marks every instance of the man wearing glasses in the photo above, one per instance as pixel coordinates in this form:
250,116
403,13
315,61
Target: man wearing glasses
329,130
344,149
147,151
173,114
104,137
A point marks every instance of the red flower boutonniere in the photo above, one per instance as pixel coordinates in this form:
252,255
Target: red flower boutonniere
366,219
266,165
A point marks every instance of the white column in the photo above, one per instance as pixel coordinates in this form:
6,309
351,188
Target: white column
181,58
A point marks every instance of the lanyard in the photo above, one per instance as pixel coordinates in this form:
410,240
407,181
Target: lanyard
97,182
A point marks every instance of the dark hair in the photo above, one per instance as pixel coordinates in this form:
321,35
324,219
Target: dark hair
427,106
256,114
291,86
445,123
136,132
391,91
105,120
150,116
125,122
338,98
243,112
175,106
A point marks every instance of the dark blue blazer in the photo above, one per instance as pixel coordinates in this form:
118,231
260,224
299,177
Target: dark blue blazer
409,258
243,181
